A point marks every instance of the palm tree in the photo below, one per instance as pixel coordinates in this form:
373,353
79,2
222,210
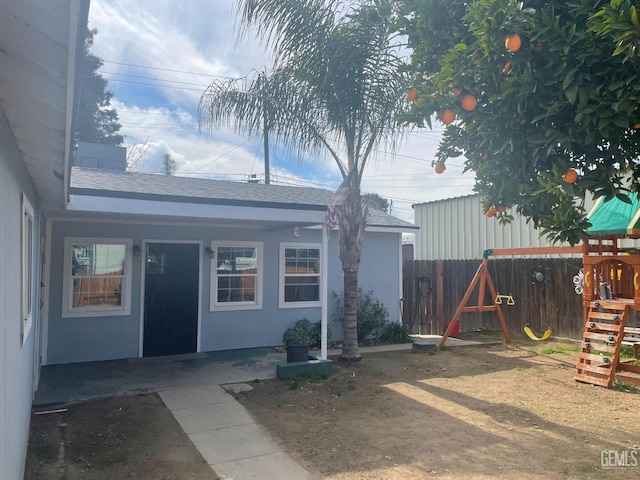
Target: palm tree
335,87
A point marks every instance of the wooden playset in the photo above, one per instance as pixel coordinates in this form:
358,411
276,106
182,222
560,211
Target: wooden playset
611,293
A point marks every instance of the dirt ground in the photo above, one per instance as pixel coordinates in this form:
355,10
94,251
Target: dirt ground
132,437
482,412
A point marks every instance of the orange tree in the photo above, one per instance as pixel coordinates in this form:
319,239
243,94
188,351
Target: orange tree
549,86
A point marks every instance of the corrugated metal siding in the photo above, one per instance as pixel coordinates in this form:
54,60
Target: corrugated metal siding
457,229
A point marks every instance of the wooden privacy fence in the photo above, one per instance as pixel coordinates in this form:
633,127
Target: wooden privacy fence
542,288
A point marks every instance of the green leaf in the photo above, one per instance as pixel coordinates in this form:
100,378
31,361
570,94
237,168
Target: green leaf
572,92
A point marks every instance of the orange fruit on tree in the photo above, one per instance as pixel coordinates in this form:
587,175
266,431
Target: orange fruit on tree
469,102
501,209
506,68
412,95
538,48
571,176
457,92
513,42
636,126
491,212
447,117
440,168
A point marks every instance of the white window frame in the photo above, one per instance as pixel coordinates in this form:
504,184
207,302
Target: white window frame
67,291
281,276
256,304
27,235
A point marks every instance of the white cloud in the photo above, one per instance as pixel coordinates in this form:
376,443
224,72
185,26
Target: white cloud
191,42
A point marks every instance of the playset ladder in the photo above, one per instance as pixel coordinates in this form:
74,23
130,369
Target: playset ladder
604,331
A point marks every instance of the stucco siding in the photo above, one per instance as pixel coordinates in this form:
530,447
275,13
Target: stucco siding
99,338
16,360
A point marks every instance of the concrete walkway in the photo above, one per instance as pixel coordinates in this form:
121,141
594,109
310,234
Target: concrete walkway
227,437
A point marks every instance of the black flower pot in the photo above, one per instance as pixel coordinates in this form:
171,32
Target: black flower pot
297,353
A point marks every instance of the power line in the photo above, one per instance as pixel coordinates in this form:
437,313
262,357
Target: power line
168,70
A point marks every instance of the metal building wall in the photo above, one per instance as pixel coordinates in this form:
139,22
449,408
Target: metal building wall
457,229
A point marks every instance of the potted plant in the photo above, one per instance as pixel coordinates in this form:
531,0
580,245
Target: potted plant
297,339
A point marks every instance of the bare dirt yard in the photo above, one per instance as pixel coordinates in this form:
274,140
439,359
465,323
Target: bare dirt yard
130,437
507,411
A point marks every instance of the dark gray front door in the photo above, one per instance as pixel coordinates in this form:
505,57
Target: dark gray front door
171,299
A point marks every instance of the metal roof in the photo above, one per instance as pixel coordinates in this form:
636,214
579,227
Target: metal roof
158,187
38,48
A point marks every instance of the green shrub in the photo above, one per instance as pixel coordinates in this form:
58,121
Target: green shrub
372,314
316,334
394,333
299,334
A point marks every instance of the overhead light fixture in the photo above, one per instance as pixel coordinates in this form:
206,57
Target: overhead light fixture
209,252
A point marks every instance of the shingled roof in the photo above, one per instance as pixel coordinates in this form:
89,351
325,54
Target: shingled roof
148,186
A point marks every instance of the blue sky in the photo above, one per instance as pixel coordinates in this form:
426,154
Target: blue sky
159,56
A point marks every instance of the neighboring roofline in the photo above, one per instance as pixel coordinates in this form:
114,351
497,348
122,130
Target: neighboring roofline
78,19
413,205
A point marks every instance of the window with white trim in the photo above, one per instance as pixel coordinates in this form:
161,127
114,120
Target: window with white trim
26,254
236,275
97,277
299,275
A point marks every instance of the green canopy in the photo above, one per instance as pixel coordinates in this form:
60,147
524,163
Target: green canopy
615,217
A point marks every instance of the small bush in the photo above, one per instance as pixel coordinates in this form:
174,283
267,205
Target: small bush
299,334
372,314
394,333
316,334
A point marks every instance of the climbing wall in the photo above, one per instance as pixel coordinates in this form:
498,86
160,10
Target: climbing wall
603,334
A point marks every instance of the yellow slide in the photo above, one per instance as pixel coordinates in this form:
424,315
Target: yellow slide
532,335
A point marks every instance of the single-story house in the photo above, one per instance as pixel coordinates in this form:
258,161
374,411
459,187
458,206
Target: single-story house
97,263
149,264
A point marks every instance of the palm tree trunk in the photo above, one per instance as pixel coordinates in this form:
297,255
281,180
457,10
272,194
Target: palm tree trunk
352,223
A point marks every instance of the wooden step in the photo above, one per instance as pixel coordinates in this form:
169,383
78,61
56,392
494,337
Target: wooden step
596,359
602,382
601,347
613,317
597,369
600,337
620,304
602,327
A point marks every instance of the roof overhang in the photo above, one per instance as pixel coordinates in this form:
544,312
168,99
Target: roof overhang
39,44
265,216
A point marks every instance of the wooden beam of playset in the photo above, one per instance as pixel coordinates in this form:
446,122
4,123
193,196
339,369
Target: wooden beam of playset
481,279
563,250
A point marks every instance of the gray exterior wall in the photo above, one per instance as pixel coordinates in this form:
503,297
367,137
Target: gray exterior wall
101,338
457,229
16,360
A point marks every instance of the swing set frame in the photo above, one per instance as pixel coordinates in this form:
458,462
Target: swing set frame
482,279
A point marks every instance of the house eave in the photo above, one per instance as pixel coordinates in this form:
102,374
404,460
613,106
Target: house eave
215,210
